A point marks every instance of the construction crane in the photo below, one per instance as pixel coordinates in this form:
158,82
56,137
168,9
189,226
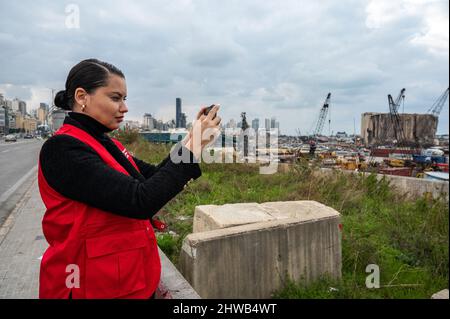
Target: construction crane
437,106
395,118
400,98
322,116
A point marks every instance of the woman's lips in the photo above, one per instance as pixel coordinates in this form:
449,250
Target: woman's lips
120,119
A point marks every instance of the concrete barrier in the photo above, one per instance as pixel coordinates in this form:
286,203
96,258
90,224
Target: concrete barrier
172,284
236,256
411,187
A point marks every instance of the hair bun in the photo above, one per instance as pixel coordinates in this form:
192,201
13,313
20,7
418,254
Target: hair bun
61,100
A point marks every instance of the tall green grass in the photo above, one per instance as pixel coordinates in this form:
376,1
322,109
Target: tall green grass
407,239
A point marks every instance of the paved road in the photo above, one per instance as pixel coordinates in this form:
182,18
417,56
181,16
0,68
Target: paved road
18,167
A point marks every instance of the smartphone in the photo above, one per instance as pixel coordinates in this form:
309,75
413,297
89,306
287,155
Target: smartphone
209,108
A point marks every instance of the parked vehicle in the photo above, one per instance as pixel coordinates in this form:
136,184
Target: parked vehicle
10,138
433,152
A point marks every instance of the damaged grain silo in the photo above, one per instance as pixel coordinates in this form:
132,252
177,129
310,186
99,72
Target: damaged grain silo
382,129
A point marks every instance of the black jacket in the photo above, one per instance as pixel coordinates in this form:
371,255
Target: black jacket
76,171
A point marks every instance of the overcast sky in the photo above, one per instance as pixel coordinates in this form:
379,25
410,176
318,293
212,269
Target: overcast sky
267,58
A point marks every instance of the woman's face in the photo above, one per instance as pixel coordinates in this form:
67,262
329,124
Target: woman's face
107,103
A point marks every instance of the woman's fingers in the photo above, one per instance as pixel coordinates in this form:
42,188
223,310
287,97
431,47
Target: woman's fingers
217,120
202,109
213,112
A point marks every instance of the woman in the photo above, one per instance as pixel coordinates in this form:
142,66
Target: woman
99,198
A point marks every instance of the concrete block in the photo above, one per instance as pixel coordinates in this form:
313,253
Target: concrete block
209,217
443,294
307,210
300,240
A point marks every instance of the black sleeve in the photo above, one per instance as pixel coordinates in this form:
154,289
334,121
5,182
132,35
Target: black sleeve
76,171
146,169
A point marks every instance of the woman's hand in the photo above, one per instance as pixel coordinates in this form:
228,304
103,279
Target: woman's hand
205,130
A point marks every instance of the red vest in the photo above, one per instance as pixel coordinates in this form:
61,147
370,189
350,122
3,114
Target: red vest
117,257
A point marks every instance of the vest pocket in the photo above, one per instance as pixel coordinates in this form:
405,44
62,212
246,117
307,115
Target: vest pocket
115,264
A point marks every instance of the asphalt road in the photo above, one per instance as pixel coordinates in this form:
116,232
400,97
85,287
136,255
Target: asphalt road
18,168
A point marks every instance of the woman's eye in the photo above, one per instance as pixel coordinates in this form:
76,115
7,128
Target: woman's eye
115,98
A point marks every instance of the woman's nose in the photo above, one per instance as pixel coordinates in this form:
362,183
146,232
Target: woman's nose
123,108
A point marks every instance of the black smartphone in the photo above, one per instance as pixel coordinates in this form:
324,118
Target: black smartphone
209,108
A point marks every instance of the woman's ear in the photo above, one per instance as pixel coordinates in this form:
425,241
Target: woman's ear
81,97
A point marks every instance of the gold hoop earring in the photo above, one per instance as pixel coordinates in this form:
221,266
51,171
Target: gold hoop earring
83,107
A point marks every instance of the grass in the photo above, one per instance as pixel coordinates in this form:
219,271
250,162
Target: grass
407,239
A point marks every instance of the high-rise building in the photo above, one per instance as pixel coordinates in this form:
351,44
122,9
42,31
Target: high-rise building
267,124
8,104
178,112
23,108
15,105
255,124
42,113
2,120
272,122
149,122
43,106
183,120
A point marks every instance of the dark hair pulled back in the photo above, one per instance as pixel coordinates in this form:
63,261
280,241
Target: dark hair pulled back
89,74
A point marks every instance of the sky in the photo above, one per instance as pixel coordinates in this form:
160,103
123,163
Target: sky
266,58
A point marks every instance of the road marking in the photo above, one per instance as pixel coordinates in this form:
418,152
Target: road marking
5,151
19,183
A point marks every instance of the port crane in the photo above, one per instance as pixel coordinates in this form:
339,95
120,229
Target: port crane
392,129
395,118
322,116
400,98
437,106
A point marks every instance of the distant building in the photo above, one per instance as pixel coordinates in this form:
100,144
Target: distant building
57,118
23,108
25,123
42,115
178,112
149,122
2,120
341,134
231,124
182,120
255,124
15,105
377,128
44,106
8,104
129,125
267,124
273,122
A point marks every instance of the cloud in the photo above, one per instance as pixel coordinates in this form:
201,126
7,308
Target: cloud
270,58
